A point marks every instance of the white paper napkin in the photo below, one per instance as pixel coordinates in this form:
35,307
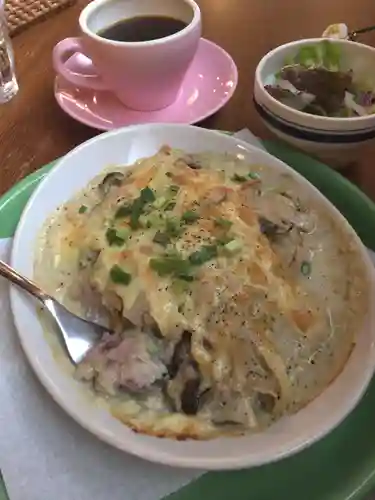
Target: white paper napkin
45,455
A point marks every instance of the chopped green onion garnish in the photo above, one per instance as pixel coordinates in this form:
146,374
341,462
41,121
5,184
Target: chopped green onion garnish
137,209
147,195
189,216
238,178
224,239
82,209
123,211
161,238
204,254
119,276
253,175
172,227
224,223
123,233
233,246
170,264
155,219
186,277
113,238
306,268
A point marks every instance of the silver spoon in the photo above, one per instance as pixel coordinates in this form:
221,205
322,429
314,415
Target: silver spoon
78,335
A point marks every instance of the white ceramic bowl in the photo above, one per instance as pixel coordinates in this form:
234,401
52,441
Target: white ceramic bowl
288,435
325,136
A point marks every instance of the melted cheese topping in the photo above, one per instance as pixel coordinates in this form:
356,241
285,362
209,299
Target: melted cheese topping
245,283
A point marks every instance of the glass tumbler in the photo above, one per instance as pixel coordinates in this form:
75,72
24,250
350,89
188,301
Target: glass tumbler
8,80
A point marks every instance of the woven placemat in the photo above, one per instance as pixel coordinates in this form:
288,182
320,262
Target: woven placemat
23,13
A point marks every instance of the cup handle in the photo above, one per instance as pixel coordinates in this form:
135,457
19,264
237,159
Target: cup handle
80,75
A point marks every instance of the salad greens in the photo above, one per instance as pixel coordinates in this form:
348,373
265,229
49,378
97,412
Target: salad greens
315,82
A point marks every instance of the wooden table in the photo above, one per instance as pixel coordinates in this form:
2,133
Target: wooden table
34,131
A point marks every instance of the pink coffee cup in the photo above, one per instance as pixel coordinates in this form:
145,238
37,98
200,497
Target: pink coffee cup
145,76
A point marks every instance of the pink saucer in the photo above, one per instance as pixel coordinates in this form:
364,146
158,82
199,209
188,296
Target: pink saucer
208,85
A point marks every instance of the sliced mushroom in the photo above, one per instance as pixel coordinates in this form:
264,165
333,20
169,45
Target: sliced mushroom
190,161
110,180
295,201
276,207
273,230
184,391
190,396
286,248
266,401
268,228
181,353
207,344
194,165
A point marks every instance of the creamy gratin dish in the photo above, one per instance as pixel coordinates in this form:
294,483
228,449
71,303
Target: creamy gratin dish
233,296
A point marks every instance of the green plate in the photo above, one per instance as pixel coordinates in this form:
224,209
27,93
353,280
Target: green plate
339,467
3,492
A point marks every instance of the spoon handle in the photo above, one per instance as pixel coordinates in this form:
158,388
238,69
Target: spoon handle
11,274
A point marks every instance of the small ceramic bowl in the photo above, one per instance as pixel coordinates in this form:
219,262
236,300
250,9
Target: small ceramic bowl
334,139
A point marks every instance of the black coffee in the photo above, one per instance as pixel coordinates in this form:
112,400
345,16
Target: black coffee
142,29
